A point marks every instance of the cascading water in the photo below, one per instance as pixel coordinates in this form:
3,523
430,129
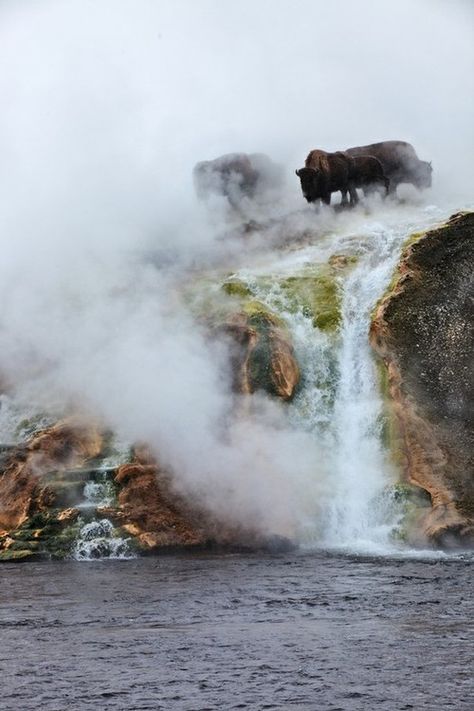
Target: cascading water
359,514
340,400
98,537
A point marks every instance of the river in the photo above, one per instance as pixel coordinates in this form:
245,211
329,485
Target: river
304,631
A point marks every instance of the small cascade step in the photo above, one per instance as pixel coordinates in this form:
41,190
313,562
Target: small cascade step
99,539
82,488
67,493
77,522
85,474
9,447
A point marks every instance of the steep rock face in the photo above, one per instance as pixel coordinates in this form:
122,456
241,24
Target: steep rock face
424,331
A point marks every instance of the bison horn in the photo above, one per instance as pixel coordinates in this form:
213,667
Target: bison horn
297,172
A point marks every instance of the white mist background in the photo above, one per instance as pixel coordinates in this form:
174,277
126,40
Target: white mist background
106,107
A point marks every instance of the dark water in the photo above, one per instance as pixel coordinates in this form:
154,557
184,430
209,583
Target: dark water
212,632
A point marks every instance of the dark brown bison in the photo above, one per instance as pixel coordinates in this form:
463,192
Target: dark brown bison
367,173
236,176
399,161
325,173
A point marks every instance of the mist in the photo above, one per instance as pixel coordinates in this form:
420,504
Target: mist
107,106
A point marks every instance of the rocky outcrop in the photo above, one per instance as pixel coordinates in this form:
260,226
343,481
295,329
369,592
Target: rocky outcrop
24,487
150,512
33,494
159,519
263,356
45,515
424,330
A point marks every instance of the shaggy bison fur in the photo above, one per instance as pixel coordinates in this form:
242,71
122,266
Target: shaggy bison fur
399,161
236,176
325,173
367,173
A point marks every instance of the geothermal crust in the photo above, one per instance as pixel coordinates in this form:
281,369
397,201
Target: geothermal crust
423,329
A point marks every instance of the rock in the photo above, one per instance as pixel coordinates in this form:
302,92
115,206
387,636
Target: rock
424,330
68,516
264,357
22,487
17,556
69,443
27,496
159,519
150,512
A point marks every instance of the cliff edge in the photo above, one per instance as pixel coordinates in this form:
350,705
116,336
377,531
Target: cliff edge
423,329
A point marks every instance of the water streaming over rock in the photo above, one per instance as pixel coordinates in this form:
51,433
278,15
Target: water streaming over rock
97,536
352,505
99,539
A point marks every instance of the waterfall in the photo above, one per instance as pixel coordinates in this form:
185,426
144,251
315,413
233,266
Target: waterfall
359,514
97,536
340,401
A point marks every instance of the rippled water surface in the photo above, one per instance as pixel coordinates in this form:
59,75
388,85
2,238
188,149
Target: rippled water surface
307,631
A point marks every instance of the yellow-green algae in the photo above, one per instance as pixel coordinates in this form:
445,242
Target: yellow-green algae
315,291
236,287
43,535
317,296
413,503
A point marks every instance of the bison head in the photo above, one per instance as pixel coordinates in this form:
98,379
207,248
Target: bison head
422,177
310,183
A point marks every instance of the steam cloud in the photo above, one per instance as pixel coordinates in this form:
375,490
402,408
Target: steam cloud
107,106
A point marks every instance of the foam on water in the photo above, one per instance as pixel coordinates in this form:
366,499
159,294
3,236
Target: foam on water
98,539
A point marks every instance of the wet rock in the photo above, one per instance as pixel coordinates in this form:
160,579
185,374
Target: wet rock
150,512
424,330
30,499
23,487
264,356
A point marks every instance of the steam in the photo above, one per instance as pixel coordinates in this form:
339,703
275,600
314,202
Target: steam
107,107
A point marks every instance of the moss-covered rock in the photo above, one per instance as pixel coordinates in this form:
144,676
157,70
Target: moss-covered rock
263,356
317,295
50,534
17,556
237,288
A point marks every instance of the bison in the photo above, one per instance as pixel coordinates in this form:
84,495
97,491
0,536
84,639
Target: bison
367,173
325,173
399,161
236,176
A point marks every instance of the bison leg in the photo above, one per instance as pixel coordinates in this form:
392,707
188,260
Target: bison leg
387,186
344,200
353,194
392,190
326,198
